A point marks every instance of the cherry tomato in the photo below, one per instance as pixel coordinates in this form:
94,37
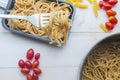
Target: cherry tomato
111,12
113,2
25,70
29,77
21,63
37,56
30,54
107,6
35,64
101,3
35,76
106,0
28,64
113,19
37,70
109,25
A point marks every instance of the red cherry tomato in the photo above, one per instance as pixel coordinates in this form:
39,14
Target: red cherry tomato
113,2
35,64
37,70
106,0
111,12
35,76
28,64
30,54
37,56
107,6
29,77
109,25
101,3
113,19
21,63
25,70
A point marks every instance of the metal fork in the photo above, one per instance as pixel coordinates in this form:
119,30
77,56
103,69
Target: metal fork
38,20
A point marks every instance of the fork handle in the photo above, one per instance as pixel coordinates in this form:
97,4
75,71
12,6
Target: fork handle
12,16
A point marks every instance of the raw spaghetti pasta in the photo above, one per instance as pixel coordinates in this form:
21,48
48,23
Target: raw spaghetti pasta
57,28
103,63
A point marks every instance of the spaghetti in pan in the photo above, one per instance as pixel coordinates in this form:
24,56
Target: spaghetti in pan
103,63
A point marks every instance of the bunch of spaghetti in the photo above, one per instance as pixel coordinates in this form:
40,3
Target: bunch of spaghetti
103,63
57,28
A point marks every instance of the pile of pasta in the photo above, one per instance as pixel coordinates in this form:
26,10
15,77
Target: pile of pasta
57,28
103,63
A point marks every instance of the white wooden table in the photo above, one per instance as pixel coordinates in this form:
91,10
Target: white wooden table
56,63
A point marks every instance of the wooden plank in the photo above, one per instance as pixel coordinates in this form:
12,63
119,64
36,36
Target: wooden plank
3,3
13,47
52,73
85,20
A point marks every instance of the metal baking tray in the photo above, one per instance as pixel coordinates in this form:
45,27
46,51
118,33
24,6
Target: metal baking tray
47,40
